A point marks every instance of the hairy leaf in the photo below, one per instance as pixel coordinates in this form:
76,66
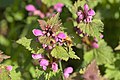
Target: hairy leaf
102,55
54,75
118,47
92,72
42,24
76,5
72,54
30,45
40,74
60,52
14,74
3,56
93,29
113,70
4,74
54,22
49,3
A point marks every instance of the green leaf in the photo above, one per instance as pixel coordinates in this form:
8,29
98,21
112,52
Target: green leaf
30,45
112,72
75,7
93,29
118,47
72,54
40,74
4,74
103,54
53,21
60,52
51,2
55,75
14,74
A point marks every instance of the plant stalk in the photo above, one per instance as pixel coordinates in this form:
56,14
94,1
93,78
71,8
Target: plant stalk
60,64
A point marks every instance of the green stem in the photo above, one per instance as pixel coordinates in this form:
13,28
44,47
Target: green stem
60,64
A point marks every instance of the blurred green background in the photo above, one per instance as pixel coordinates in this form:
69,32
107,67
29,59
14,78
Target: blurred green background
16,23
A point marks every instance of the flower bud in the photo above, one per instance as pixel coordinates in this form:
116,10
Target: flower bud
54,66
95,45
86,8
9,68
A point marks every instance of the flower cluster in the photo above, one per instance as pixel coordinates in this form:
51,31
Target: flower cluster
44,63
58,7
49,33
86,15
33,11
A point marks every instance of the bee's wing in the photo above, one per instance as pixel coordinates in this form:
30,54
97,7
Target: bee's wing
43,24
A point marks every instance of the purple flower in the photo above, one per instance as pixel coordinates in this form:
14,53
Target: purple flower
9,68
54,66
44,63
67,71
86,8
37,32
38,13
37,56
86,15
61,35
44,46
30,8
88,19
101,36
95,45
91,12
58,7
50,47
80,15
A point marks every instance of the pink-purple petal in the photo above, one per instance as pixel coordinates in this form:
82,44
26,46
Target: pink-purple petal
95,45
44,62
91,12
86,8
9,68
54,66
66,75
37,32
37,56
58,7
101,36
30,7
68,70
61,35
